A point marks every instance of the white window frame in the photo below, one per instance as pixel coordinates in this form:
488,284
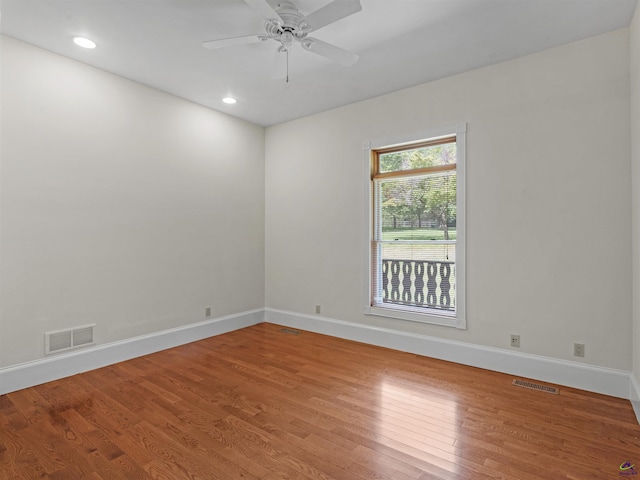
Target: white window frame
430,316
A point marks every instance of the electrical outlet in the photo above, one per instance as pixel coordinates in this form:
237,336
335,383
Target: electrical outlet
318,309
515,340
578,349
207,311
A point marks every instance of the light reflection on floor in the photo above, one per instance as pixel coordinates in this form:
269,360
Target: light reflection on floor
420,421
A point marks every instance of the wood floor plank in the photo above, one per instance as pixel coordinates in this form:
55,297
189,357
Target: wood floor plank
259,403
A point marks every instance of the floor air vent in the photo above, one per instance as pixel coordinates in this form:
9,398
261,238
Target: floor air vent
290,331
62,340
536,386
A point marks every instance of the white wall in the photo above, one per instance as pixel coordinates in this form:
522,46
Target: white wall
132,209
634,41
549,201
120,206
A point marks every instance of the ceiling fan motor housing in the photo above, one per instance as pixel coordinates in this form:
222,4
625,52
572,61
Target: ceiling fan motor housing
291,22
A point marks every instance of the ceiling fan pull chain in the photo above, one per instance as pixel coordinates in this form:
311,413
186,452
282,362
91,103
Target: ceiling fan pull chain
287,65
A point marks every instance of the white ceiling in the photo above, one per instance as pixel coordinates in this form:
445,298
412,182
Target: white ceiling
400,42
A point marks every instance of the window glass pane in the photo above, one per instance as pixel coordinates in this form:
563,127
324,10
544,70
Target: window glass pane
417,245
431,156
418,207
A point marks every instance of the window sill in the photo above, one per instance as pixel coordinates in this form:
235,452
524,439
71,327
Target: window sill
432,317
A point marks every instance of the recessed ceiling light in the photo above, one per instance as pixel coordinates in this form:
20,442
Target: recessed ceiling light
229,100
84,42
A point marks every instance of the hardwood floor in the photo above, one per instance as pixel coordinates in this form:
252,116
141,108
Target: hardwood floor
260,403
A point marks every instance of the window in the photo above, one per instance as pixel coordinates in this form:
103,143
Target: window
416,230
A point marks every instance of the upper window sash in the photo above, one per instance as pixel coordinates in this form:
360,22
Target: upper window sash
378,171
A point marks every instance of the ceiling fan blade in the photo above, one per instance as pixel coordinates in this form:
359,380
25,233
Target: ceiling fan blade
331,12
329,51
264,9
230,42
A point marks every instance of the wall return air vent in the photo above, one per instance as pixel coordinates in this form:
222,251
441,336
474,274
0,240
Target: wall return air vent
63,340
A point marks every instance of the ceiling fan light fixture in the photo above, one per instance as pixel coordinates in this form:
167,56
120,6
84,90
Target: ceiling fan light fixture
229,100
84,42
286,39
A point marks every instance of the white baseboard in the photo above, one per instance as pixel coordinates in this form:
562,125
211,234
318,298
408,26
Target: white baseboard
572,374
634,396
617,383
51,368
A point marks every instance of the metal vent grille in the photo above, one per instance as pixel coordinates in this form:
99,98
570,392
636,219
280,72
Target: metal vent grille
62,340
290,331
82,336
536,386
59,341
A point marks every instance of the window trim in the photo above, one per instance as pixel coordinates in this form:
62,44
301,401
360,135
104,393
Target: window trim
458,318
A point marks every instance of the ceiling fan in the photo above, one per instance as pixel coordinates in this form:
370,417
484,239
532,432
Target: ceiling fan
285,24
